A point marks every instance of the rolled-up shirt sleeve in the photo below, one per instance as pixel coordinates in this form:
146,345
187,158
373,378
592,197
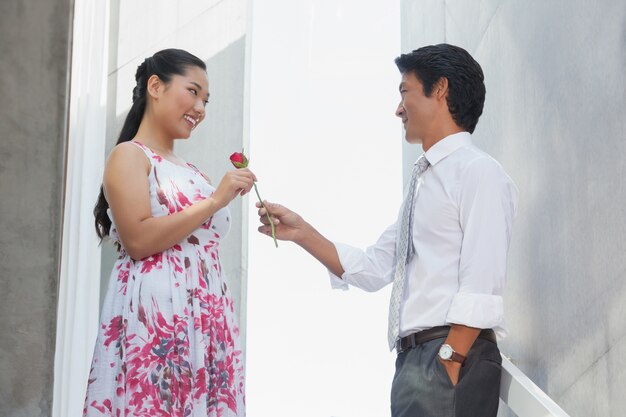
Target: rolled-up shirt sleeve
369,270
487,204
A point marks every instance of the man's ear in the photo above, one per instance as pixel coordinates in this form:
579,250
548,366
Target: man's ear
154,86
440,89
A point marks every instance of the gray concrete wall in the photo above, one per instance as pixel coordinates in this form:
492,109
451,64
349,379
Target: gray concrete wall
34,68
216,34
555,118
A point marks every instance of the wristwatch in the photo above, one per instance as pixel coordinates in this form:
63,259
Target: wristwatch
446,353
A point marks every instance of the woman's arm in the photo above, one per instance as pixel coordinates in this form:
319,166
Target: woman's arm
127,190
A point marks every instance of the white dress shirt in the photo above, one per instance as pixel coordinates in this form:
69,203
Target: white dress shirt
462,223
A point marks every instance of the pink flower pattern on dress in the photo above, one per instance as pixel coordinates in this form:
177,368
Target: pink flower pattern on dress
168,344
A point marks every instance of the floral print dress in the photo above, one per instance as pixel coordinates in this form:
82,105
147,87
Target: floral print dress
168,343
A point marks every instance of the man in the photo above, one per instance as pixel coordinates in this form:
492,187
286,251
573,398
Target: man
445,255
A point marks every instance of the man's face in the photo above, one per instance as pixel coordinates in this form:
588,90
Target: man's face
415,109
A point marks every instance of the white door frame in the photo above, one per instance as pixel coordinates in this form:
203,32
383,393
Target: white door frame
79,272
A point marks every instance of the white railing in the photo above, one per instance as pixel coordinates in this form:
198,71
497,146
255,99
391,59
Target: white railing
523,397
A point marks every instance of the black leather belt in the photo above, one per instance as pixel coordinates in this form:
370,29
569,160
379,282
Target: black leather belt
412,340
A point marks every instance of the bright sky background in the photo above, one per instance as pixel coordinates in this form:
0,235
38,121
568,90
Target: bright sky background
324,141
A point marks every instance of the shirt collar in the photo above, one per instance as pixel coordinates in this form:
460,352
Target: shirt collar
447,146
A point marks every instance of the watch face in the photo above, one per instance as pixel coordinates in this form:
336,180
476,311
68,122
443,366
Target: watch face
445,352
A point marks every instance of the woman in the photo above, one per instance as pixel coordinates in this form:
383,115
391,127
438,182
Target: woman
168,340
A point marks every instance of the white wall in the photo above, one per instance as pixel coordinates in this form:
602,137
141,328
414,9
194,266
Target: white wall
324,141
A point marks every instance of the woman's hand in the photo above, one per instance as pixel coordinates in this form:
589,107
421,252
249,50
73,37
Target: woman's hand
236,182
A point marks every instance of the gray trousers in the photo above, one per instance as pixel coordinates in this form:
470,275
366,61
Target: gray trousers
422,388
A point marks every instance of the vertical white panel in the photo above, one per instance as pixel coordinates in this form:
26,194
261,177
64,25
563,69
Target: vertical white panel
324,141
79,285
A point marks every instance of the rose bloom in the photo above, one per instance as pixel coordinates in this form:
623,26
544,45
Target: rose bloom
239,160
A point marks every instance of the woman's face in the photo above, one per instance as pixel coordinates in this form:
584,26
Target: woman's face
180,105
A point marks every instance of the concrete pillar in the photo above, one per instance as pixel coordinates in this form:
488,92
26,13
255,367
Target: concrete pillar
34,67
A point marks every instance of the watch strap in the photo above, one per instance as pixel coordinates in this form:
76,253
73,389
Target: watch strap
457,357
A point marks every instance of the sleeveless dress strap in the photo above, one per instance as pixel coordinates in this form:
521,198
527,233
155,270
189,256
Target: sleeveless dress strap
205,176
149,152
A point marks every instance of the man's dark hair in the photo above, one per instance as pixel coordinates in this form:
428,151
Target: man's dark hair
466,87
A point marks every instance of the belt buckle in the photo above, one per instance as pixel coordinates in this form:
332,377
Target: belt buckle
411,345
399,347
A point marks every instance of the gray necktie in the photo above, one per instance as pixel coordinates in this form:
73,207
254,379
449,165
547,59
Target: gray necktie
404,251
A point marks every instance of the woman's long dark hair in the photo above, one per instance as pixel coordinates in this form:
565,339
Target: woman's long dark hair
164,64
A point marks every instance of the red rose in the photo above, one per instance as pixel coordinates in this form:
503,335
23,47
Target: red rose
239,160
